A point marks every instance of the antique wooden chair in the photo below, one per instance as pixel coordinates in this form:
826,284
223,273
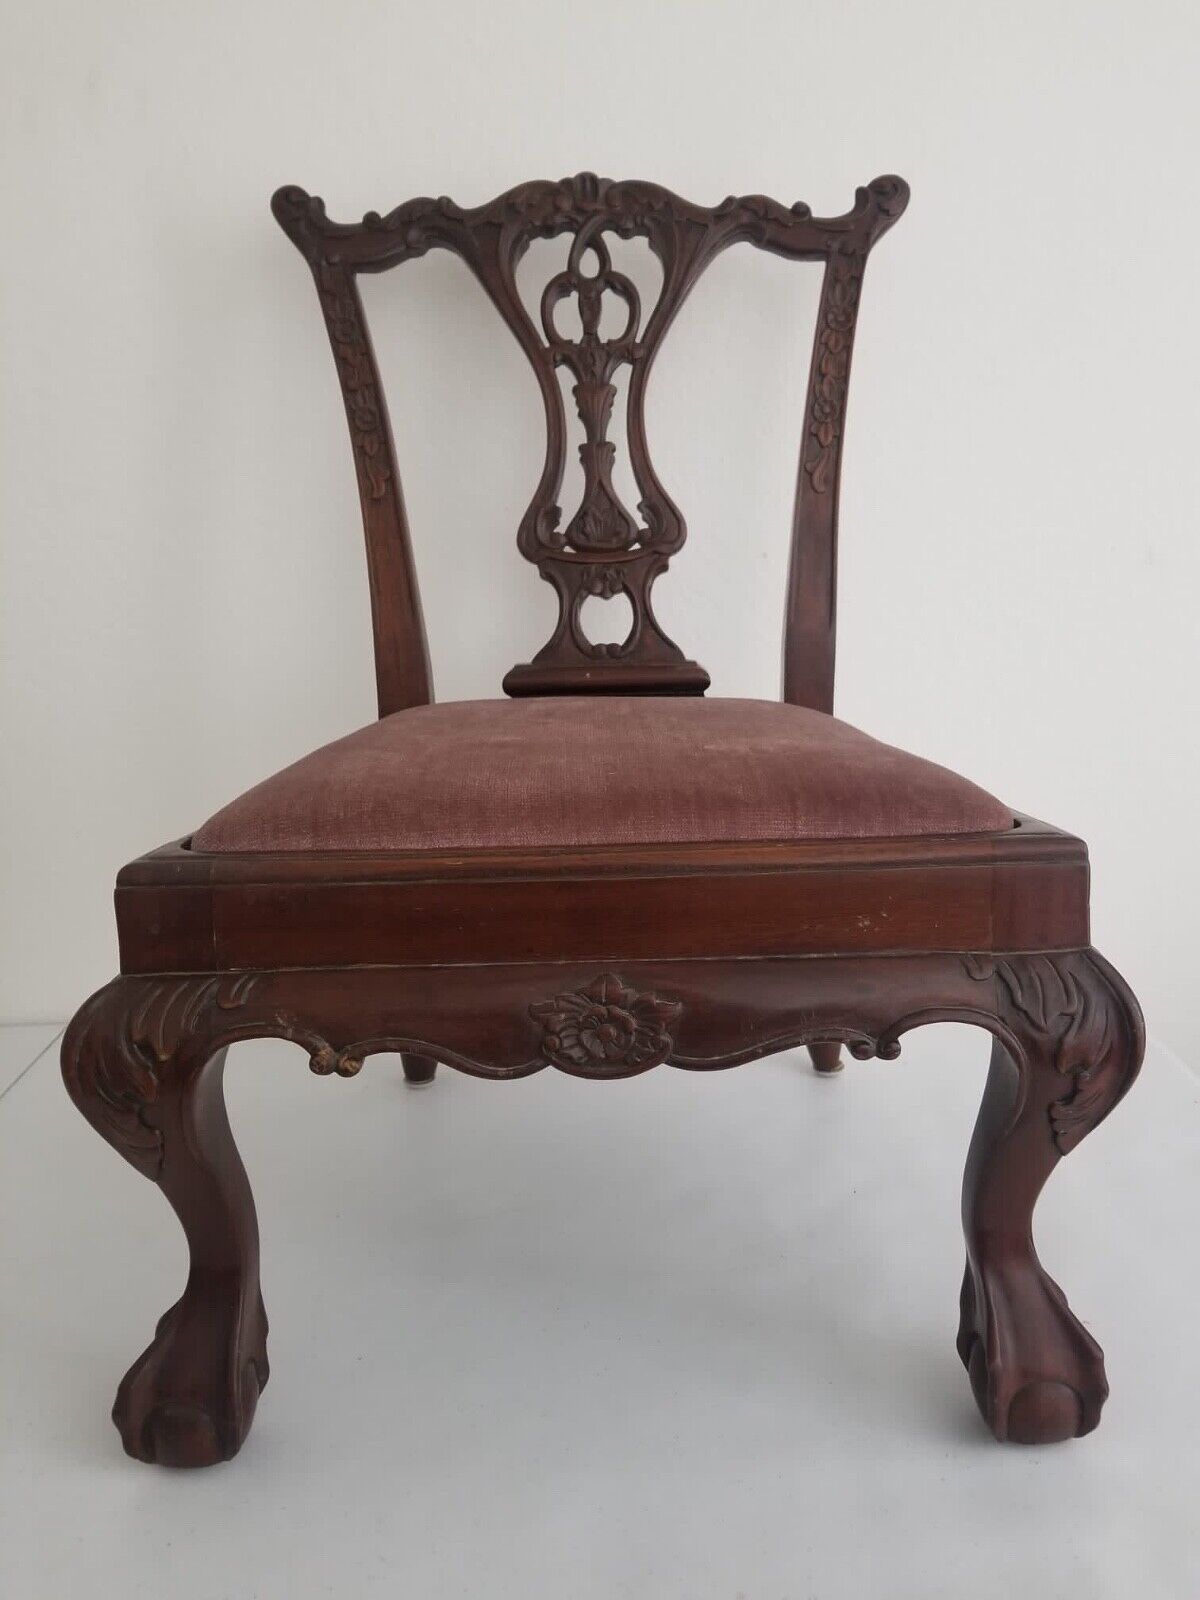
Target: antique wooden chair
605,871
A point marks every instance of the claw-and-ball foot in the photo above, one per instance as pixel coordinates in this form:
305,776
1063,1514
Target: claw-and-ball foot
189,1399
1036,1373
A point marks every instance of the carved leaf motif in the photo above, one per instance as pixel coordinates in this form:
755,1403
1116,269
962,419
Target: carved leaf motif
116,1048
352,353
831,366
1067,1006
606,1029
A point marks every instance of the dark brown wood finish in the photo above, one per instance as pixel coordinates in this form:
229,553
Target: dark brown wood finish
601,962
185,912
602,549
143,1059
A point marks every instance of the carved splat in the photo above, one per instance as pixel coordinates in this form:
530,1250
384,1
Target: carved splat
601,547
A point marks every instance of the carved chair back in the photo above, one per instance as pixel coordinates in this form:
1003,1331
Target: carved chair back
602,548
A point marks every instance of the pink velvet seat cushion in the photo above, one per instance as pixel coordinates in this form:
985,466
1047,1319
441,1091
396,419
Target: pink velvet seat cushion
478,774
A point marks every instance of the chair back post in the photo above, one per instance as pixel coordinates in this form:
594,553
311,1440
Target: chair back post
402,675
810,613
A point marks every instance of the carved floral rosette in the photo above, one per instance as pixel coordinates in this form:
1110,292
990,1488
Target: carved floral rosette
606,1029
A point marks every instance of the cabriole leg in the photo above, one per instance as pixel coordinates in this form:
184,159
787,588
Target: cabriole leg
1071,1045
144,1063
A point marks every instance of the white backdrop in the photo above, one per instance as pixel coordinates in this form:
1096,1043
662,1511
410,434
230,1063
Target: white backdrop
184,597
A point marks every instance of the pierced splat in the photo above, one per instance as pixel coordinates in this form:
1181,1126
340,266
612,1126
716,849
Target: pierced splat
602,551
605,547
602,523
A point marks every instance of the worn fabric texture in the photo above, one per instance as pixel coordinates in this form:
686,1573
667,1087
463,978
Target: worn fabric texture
577,770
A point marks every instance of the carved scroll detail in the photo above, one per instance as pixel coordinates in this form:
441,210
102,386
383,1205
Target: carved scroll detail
345,1063
606,1029
1076,1008
116,1048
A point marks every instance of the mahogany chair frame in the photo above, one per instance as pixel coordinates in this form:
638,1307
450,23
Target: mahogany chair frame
601,962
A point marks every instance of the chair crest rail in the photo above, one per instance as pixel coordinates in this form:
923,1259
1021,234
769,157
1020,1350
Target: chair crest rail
603,548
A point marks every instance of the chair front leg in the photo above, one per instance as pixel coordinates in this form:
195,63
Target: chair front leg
1070,1044
143,1061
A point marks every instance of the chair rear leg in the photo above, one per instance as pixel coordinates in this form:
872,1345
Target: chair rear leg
826,1056
418,1070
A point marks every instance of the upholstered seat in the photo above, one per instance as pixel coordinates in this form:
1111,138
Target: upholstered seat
599,770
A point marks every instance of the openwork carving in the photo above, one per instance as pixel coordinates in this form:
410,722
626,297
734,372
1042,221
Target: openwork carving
685,237
601,523
1073,1007
119,1042
606,1029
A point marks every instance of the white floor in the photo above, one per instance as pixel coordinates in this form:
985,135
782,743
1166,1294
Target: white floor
680,1338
